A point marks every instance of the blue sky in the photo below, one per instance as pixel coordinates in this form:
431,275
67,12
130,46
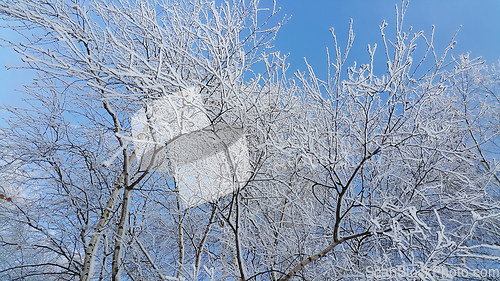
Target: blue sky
307,34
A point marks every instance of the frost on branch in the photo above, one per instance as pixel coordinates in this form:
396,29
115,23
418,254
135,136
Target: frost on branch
209,161
354,170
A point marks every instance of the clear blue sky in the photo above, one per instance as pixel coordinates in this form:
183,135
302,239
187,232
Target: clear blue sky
307,33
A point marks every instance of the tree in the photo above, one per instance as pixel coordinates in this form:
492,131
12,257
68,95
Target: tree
348,174
480,114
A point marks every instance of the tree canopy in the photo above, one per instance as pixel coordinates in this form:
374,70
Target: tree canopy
347,174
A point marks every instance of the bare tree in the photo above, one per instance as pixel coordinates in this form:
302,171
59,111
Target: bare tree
393,163
349,174
98,64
